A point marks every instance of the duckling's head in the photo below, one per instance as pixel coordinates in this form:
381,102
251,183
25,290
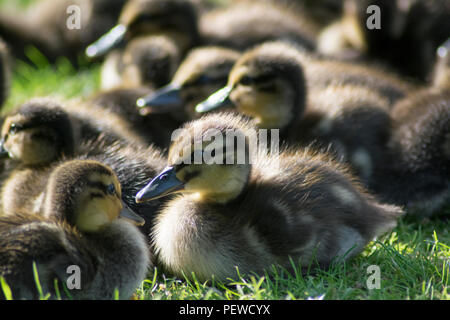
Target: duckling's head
87,195
209,157
149,61
202,72
442,68
38,133
177,18
266,83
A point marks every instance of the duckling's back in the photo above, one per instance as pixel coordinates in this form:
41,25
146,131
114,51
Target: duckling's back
53,246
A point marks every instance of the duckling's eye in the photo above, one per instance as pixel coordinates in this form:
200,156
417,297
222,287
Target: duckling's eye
247,80
111,189
14,128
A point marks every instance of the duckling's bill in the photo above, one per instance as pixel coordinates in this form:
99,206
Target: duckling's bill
128,214
219,99
163,100
107,42
163,184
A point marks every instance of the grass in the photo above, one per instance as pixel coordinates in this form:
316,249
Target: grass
414,259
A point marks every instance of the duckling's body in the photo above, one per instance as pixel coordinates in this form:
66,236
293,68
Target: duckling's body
417,176
247,23
202,72
39,138
47,25
81,229
155,128
4,73
296,204
274,85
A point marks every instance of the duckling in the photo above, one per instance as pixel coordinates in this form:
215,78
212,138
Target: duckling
441,76
258,209
37,138
247,23
4,73
86,122
45,25
78,227
268,84
417,176
406,38
176,19
203,71
146,61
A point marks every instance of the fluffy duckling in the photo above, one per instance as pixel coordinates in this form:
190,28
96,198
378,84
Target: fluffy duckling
36,138
4,73
79,227
80,118
267,83
242,208
45,25
418,174
176,19
202,72
406,37
441,77
247,23
146,61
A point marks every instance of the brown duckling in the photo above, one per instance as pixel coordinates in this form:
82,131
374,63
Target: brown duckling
418,173
257,211
45,25
406,37
247,23
86,122
268,84
202,72
176,19
78,227
37,138
146,61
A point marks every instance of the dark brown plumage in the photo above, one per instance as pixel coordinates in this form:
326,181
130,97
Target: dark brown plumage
299,204
155,128
417,175
80,228
409,33
244,24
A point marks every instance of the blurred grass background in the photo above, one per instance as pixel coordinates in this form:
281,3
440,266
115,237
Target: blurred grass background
414,259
